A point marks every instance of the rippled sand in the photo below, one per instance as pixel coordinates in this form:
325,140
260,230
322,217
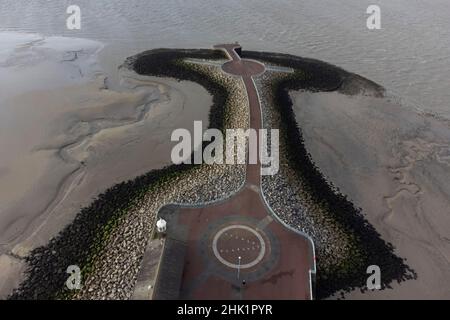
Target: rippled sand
65,137
394,163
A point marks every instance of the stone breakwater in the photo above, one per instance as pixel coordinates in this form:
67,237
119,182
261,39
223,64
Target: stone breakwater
107,240
117,267
288,199
346,243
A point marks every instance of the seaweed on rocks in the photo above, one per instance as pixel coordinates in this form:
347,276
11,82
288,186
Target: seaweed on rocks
315,75
318,75
81,242
169,63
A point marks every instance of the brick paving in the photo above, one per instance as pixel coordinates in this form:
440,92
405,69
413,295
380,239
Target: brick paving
275,261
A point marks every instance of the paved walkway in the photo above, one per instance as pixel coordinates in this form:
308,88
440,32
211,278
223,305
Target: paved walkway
236,249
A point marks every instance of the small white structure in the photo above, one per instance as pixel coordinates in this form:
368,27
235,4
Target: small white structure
161,225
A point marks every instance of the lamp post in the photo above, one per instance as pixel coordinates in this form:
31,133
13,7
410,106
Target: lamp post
239,267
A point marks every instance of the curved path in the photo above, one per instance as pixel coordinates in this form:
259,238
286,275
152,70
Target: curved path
246,69
237,249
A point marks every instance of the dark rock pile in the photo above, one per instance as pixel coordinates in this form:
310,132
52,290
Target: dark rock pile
346,242
107,239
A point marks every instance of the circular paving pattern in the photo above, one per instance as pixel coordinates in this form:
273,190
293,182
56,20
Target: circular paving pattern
245,68
239,246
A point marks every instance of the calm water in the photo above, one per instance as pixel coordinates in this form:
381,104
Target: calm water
410,55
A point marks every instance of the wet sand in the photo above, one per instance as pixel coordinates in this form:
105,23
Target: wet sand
389,160
65,137
394,163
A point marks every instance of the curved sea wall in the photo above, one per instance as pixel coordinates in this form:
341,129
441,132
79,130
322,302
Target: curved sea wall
107,240
346,243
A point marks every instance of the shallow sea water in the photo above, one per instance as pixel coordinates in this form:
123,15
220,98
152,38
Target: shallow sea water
410,55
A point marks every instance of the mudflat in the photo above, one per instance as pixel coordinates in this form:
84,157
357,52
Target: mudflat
65,137
393,161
